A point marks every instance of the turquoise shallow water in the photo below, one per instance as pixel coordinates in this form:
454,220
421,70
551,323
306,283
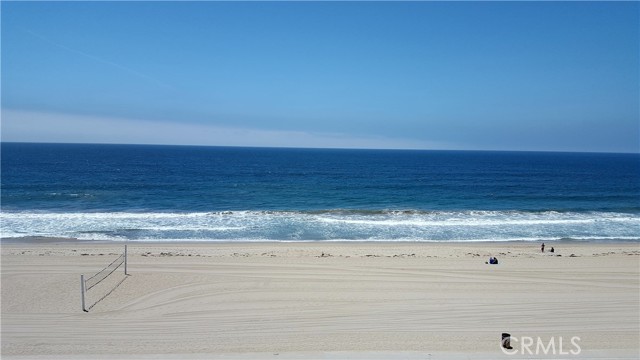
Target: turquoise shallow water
173,193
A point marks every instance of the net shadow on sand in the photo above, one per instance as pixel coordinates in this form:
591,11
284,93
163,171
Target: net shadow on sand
111,290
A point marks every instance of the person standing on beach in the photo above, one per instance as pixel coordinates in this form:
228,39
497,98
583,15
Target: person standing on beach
542,247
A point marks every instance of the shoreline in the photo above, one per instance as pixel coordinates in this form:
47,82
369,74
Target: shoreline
70,240
270,300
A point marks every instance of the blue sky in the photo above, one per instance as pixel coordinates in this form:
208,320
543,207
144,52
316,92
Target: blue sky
550,76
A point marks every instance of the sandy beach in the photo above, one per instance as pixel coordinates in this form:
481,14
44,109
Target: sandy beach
327,300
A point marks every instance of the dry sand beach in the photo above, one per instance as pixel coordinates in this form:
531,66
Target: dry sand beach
320,300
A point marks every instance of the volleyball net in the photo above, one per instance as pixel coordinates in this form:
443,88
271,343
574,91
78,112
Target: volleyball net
88,283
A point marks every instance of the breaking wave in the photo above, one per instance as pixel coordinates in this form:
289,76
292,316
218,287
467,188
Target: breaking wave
324,225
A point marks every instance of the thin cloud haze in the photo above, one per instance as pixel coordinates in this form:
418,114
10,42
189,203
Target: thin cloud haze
24,126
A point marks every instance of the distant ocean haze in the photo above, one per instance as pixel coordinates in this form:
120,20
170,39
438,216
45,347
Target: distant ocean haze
176,193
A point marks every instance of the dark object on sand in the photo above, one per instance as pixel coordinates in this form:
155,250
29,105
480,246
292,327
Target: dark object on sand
492,261
506,341
552,250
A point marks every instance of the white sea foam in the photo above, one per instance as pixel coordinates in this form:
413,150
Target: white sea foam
339,225
456,222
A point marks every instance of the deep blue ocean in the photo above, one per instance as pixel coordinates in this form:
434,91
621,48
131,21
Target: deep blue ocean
178,193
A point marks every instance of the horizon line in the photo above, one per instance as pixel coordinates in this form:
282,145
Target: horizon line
319,148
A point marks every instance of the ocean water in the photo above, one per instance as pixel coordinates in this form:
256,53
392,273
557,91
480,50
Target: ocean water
180,193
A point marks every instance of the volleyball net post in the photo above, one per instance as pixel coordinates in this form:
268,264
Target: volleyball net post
82,291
